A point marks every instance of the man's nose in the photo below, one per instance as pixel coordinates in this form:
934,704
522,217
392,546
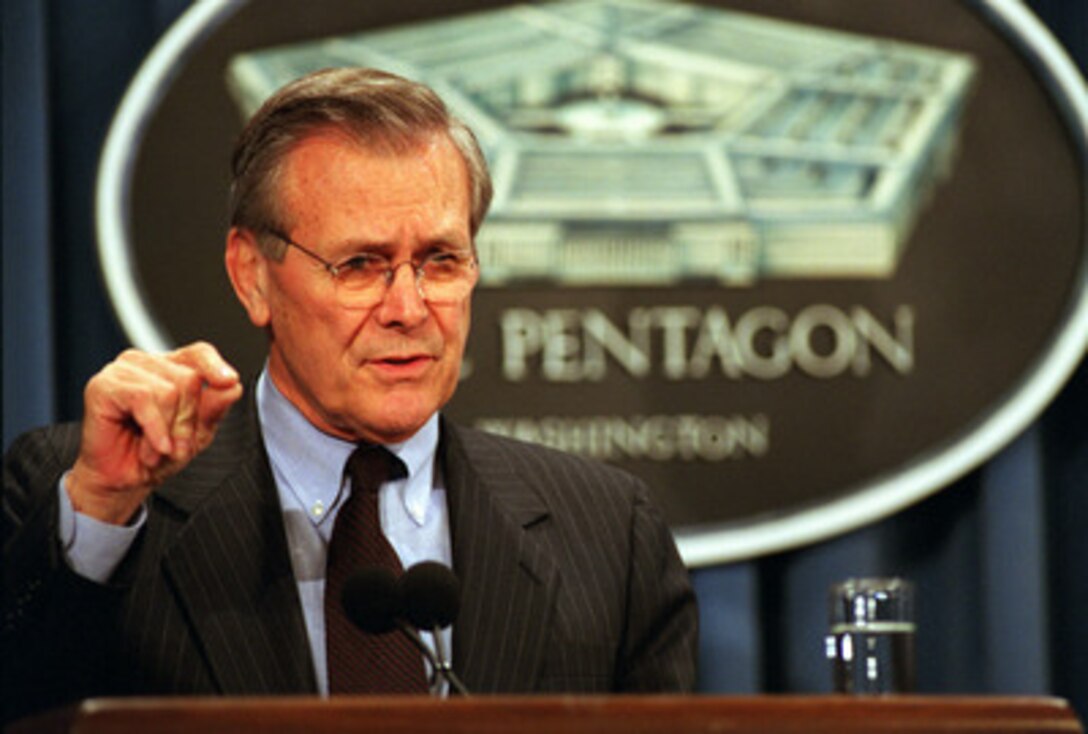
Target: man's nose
403,302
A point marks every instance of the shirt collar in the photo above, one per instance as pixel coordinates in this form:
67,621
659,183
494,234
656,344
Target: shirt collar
311,462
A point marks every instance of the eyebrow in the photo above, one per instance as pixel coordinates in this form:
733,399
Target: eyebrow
449,239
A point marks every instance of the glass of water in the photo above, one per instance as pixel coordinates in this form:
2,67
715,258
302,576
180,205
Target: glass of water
871,644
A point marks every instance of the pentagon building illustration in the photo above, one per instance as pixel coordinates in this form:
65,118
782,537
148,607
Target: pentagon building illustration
643,142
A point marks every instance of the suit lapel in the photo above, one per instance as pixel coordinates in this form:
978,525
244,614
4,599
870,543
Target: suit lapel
508,581
230,568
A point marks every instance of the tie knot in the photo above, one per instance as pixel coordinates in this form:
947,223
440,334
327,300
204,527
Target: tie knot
372,464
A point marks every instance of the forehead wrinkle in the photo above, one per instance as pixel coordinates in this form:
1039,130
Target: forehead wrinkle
449,237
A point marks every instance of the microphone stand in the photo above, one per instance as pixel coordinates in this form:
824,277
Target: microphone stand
440,664
445,667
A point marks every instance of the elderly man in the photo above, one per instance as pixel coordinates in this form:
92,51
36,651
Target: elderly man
187,539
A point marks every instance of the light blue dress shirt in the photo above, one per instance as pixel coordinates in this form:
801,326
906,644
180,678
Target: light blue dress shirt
308,468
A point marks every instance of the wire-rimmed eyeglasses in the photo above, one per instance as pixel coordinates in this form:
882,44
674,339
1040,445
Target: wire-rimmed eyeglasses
442,276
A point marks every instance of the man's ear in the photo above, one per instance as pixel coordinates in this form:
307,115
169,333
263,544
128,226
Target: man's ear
248,271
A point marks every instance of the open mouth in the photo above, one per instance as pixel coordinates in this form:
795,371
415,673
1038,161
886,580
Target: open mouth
401,363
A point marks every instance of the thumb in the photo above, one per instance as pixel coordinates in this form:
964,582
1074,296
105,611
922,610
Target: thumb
214,404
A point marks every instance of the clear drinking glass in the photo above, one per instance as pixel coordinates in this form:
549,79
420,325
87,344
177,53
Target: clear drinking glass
871,644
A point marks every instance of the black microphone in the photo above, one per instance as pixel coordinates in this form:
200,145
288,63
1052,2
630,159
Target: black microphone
375,601
371,599
431,597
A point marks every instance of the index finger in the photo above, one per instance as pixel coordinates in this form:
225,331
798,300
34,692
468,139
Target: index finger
209,364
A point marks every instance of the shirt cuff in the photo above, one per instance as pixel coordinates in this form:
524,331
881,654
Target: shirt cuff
92,548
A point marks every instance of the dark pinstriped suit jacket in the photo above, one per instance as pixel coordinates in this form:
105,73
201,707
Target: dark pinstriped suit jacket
570,579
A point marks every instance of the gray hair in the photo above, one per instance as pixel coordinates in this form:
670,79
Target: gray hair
376,108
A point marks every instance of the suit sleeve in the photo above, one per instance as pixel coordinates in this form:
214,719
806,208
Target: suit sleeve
661,639
54,628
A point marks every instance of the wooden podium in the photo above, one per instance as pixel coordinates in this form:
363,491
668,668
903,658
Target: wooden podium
563,715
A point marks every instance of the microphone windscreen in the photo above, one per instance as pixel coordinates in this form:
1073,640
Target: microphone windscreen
371,599
430,594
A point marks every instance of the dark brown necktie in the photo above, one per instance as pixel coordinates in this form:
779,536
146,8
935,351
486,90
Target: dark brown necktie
360,662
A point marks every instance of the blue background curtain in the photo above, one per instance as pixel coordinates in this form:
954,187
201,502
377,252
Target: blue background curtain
998,558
